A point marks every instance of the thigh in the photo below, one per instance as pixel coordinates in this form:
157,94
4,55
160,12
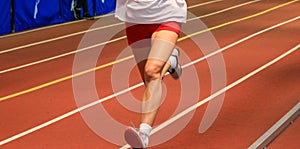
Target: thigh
163,40
139,40
151,44
163,43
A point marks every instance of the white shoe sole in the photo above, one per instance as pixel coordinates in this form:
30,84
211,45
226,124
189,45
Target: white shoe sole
133,139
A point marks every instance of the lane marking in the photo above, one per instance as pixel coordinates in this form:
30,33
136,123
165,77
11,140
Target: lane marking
194,107
70,113
243,39
224,10
50,26
72,52
243,19
57,38
63,79
97,17
61,55
264,140
82,32
205,3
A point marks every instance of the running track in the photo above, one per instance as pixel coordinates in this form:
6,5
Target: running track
38,109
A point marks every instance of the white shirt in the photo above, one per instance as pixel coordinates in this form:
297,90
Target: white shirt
151,11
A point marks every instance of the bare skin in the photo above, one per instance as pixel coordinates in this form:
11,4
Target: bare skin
153,71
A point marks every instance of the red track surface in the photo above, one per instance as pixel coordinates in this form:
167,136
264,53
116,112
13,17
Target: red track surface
250,108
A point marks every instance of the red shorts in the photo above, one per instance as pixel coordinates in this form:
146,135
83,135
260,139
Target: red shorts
138,32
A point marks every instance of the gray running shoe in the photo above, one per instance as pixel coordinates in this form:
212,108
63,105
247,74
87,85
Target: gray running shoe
177,71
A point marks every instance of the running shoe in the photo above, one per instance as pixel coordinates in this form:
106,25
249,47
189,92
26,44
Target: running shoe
177,71
135,138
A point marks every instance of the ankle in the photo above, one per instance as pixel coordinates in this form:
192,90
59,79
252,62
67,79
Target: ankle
145,129
172,61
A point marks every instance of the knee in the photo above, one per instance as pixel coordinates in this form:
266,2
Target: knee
152,72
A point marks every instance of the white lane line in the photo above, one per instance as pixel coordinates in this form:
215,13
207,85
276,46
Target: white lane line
81,32
61,55
168,122
129,89
57,38
277,128
51,26
224,10
67,115
202,102
202,4
97,17
244,39
72,52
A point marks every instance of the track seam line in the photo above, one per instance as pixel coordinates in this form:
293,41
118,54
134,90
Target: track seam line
272,133
60,80
52,121
80,32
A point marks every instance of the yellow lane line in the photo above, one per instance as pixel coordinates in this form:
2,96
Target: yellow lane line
238,20
65,78
130,57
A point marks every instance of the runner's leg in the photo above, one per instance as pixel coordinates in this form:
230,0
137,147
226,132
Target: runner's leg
163,43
